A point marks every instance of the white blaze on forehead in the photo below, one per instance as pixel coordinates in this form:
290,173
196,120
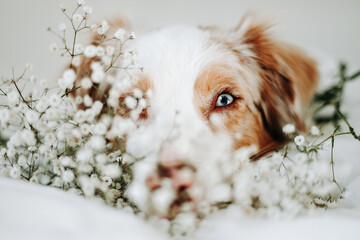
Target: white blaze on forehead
173,58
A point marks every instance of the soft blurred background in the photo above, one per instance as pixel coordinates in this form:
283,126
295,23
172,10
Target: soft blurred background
330,27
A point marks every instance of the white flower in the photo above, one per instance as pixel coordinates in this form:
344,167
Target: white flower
84,155
93,27
45,179
28,137
289,128
86,83
53,47
107,180
22,161
162,198
78,100
299,140
63,84
132,35
100,129
98,76
137,93
220,193
85,128
66,161
90,115
76,61
97,107
130,102
77,17
42,105
15,172
103,28
54,100
68,176
97,142
101,158
53,114
62,26
87,10
111,170
314,131
119,34
90,51
69,75
87,100
87,186
50,138
80,116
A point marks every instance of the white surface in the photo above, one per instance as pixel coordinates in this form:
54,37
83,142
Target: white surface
30,211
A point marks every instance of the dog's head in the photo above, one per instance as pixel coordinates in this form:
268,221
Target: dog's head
240,83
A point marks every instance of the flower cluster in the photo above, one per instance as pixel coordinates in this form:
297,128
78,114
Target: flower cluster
74,143
285,184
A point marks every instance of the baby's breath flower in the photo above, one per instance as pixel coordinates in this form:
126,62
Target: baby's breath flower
314,131
77,17
107,180
131,102
98,76
93,27
76,61
120,34
299,140
132,35
68,176
15,172
84,155
102,29
90,51
22,161
86,83
78,100
87,100
87,10
97,107
289,128
100,128
69,75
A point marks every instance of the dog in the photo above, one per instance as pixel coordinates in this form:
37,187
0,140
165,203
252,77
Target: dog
238,86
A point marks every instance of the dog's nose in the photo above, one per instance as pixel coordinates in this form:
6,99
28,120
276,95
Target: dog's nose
171,166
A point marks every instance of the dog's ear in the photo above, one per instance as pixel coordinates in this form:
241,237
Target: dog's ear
288,77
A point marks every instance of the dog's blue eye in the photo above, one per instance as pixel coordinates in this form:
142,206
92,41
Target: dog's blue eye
224,100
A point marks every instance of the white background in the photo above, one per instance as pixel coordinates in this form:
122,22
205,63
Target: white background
331,27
